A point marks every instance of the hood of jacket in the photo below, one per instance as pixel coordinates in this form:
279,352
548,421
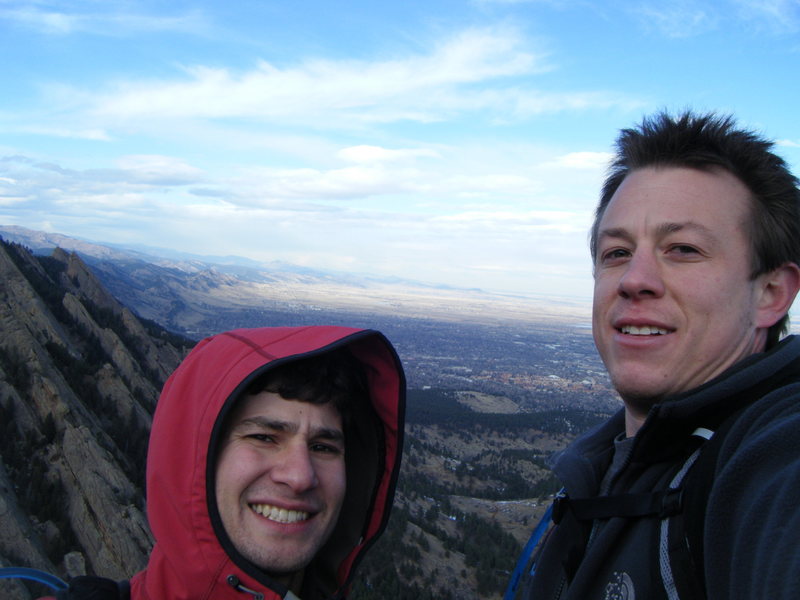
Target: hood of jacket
192,557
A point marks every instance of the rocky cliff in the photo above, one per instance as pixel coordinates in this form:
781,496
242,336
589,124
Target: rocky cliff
79,379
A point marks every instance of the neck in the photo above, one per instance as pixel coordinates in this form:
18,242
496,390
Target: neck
294,581
633,421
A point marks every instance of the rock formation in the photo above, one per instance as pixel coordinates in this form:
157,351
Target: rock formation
79,379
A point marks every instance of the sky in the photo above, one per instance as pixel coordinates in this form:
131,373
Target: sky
449,142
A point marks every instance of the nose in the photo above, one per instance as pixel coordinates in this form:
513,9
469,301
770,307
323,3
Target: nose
295,469
642,277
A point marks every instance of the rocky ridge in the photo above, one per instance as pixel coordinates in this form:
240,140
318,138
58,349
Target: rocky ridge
79,379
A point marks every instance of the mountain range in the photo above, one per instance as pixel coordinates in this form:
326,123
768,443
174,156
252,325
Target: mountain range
197,295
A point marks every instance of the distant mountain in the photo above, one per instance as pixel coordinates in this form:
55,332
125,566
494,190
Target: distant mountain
79,379
41,242
197,296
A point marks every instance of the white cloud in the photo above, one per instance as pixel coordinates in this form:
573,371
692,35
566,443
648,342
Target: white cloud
11,200
680,18
481,185
474,70
436,178
403,236
416,88
73,20
780,16
262,186
486,75
582,160
61,132
501,2
160,170
686,18
48,184
375,154
514,223
43,21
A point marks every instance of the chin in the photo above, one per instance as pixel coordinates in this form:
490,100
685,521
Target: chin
278,563
639,394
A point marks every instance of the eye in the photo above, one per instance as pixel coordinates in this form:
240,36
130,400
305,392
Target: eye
614,254
261,437
683,250
322,448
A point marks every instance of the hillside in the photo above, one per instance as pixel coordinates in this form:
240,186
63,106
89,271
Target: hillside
79,378
472,487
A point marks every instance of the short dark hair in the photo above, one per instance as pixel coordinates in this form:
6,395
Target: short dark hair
334,377
709,141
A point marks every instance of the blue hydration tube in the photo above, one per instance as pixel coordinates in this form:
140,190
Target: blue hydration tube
536,536
34,575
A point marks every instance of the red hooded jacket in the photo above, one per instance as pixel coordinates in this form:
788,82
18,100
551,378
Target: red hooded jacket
189,560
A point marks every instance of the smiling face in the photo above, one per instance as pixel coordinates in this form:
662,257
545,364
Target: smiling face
280,480
674,304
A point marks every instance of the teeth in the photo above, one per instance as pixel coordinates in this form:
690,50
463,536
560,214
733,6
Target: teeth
280,515
645,330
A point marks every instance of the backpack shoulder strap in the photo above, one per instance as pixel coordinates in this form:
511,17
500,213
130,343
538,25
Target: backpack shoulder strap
679,568
86,587
680,508
683,539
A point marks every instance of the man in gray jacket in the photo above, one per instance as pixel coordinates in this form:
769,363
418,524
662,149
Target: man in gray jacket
696,246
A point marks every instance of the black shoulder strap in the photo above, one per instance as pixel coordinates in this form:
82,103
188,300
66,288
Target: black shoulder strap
686,530
683,507
661,504
87,587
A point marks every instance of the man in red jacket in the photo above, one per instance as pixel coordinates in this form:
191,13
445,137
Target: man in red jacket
273,459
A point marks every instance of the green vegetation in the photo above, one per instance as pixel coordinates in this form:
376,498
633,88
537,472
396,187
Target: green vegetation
16,370
452,451
440,407
36,489
392,568
395,566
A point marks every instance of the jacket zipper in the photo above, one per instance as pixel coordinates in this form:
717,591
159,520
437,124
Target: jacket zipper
233,581
560,589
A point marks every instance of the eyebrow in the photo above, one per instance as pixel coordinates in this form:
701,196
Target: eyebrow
662,230
326,433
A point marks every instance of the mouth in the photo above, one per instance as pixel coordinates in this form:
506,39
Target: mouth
643,330
279,515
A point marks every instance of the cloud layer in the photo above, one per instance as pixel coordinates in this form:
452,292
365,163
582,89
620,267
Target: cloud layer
462,147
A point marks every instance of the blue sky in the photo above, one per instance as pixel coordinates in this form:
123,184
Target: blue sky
456,142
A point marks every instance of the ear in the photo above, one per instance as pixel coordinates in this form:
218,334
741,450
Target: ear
778,290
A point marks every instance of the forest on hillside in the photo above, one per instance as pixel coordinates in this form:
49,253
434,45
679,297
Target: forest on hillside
433,549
